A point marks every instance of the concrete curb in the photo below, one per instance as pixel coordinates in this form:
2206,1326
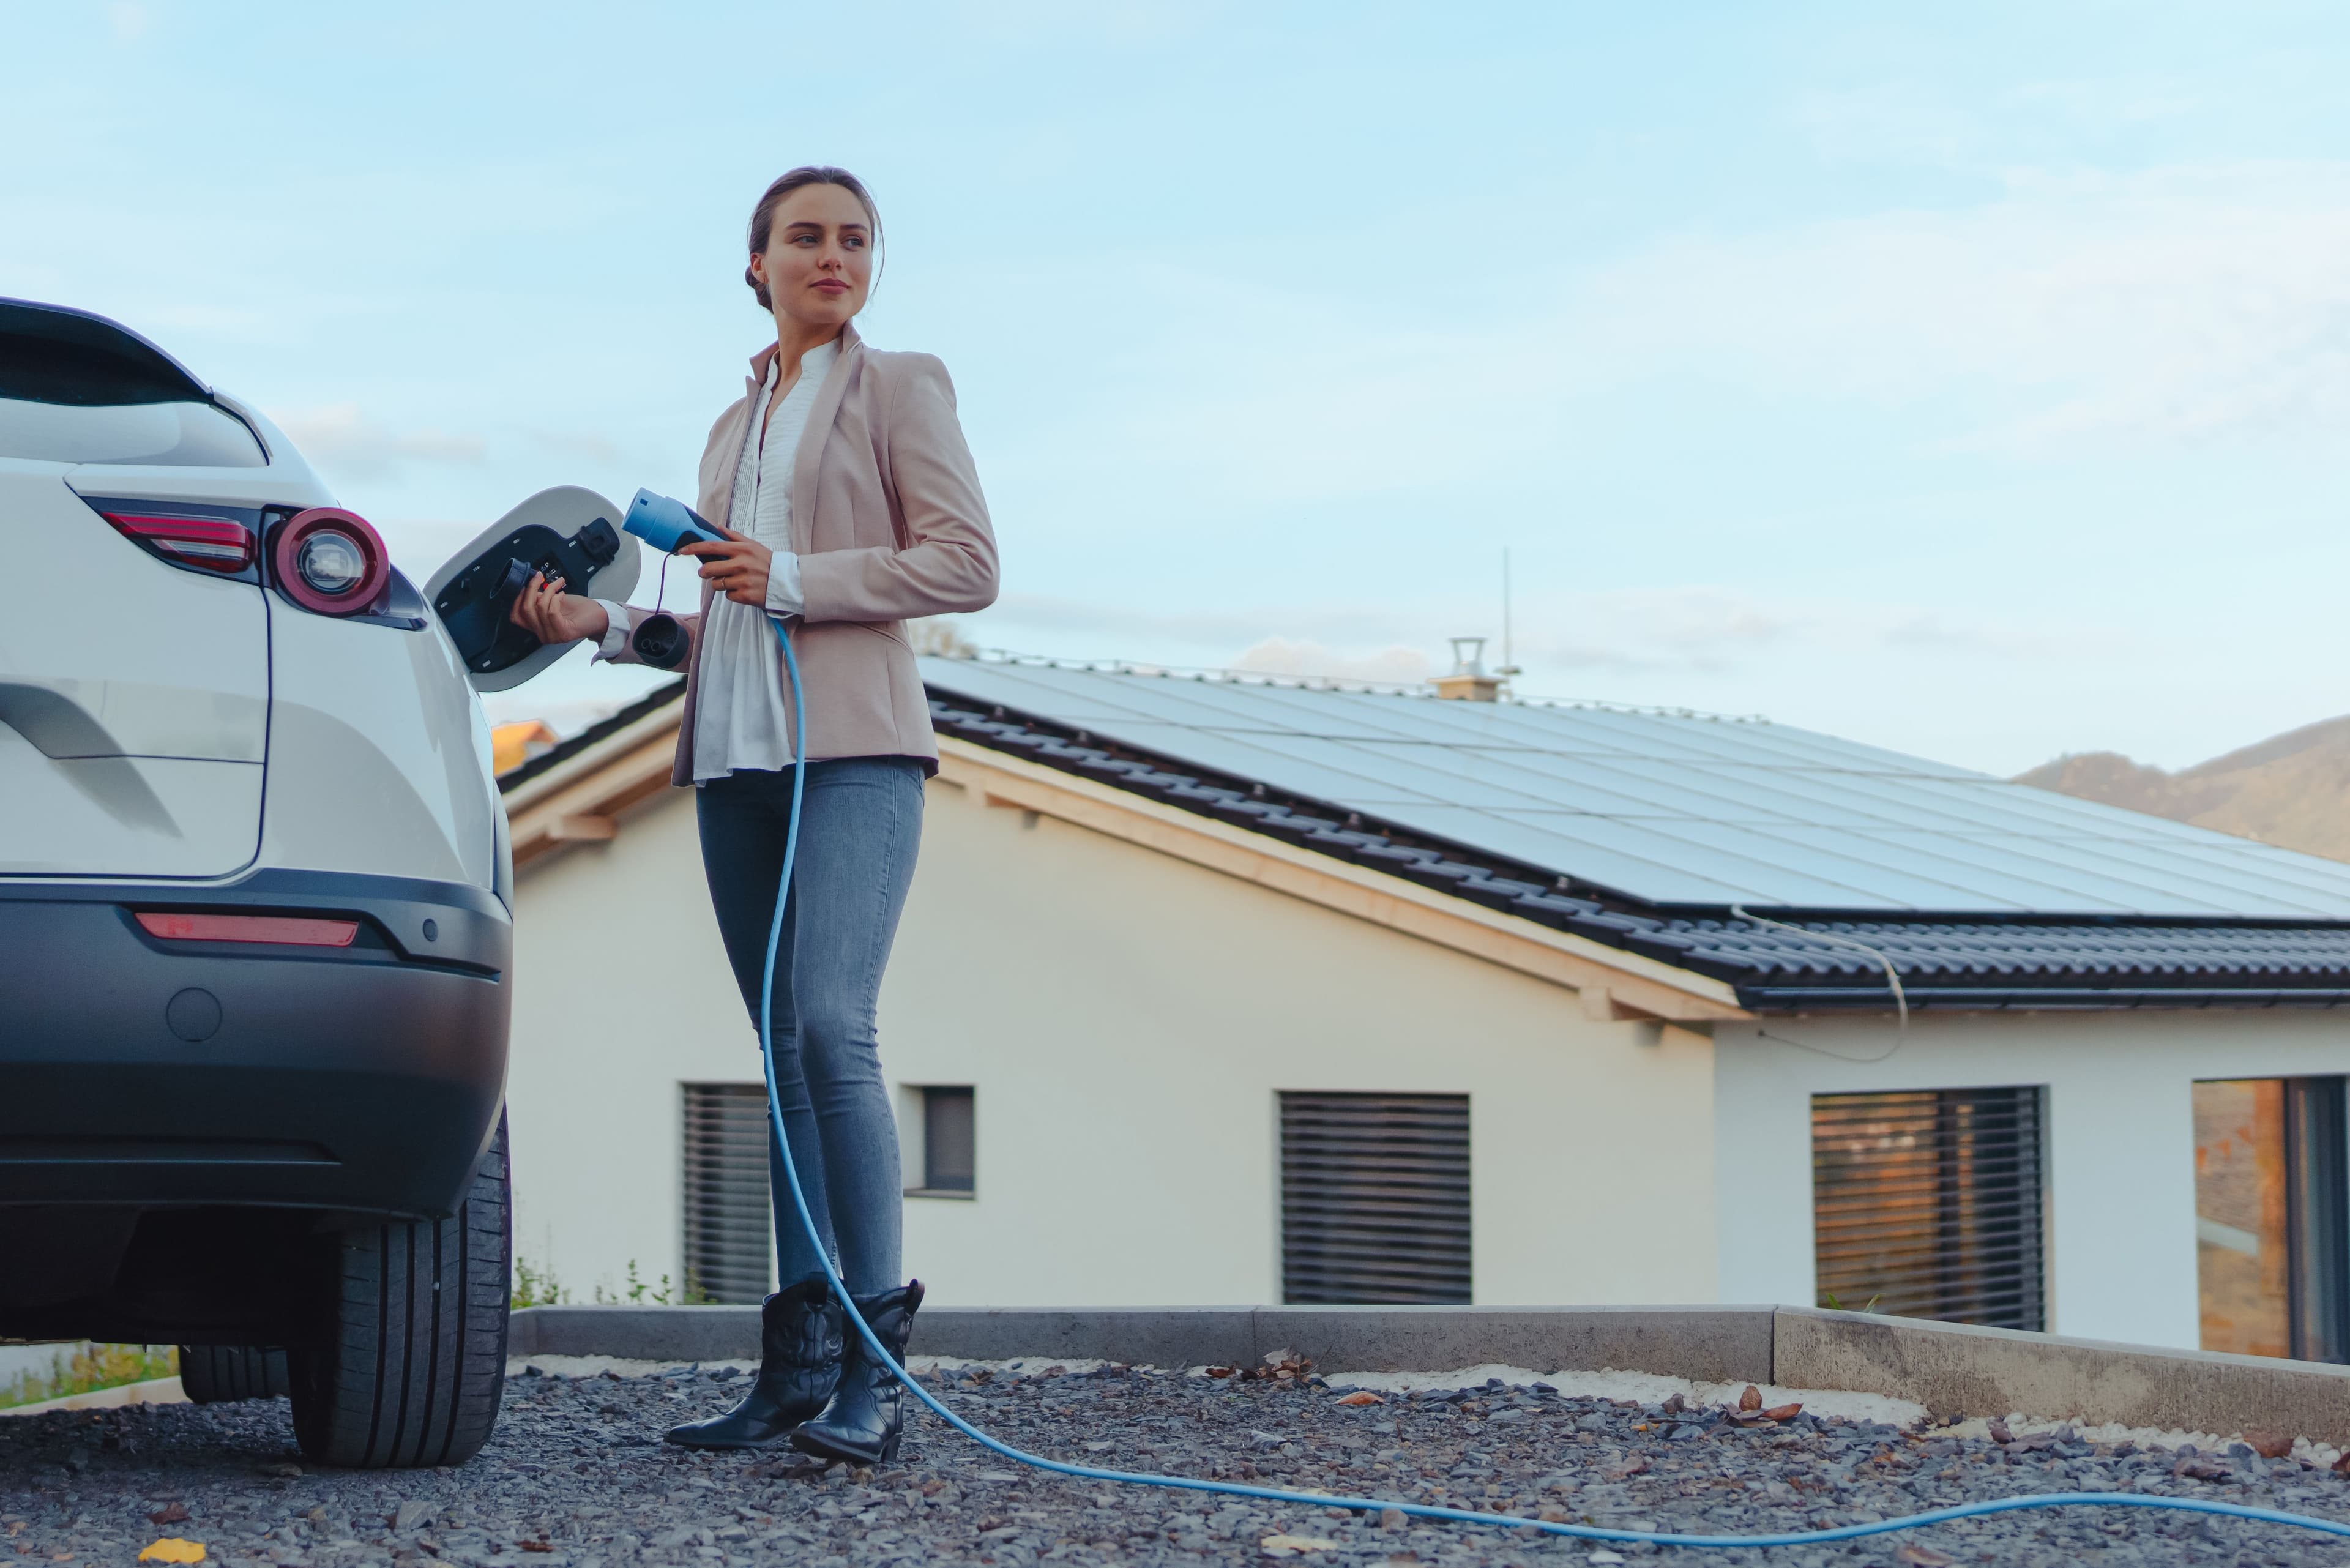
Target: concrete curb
1707,1344
1956,1369
1951,1369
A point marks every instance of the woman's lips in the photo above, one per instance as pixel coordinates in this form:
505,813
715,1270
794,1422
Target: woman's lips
833,285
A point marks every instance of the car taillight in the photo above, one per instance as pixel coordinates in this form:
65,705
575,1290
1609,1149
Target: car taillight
287,931
206,543
330,561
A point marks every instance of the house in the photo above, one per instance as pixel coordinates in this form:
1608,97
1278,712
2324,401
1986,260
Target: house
1218,990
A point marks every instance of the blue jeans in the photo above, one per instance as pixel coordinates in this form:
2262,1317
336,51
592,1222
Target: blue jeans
861,826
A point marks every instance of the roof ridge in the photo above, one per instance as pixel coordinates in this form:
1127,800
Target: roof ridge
1226,674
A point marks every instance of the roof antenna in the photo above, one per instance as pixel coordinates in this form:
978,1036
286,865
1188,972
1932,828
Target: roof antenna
1509,665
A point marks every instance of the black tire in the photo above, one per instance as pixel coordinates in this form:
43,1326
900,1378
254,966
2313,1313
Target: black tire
220,1373
417,1338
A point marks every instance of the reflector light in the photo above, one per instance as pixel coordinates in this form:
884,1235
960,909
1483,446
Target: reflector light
330,561
284,930
207,544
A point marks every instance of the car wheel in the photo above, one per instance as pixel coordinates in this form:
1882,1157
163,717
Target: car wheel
219,1374
415,1355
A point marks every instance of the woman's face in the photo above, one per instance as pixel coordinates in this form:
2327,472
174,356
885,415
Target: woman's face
818,264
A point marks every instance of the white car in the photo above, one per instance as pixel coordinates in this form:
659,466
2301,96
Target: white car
254,917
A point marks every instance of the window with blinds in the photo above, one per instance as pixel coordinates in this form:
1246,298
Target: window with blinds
727,1226
1375,1199
1927,1203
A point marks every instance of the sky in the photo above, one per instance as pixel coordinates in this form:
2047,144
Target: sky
1970,380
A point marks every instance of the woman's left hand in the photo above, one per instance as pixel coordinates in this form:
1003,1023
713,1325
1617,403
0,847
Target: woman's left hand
737,567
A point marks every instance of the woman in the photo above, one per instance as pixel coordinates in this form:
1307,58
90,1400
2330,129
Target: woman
849,503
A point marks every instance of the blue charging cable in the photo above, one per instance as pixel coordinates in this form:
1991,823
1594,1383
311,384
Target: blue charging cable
1358,1504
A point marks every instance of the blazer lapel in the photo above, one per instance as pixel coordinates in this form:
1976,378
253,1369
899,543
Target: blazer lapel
809,457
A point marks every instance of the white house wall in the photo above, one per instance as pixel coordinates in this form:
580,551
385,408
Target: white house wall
2119,1132
621,993
1127,1020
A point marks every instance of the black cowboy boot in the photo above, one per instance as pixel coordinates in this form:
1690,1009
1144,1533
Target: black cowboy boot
799,1365
861,1426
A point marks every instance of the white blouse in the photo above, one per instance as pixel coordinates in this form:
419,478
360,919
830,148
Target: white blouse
740,722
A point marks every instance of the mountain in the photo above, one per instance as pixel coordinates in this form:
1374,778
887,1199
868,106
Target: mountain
2291,790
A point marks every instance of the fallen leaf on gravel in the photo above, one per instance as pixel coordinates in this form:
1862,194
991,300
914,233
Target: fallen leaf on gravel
1222,1371
1551,1513
1290,1545
169,1513
2198,1468
1923,1556
2268,1445
1783,1412
1675,1405
2341,1465
1752,1399
535,1546
172,1548
1999,1431
1362,1397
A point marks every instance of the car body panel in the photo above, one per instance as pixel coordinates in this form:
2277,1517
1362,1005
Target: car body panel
135,697
379,754
365,1079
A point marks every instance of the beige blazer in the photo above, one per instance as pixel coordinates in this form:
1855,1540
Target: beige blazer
888,521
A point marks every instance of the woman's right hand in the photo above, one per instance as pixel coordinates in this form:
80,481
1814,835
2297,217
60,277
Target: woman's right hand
552,615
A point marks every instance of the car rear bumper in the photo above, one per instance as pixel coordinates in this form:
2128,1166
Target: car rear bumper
144,1072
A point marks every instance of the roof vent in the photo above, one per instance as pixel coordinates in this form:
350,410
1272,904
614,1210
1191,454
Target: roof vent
1469,682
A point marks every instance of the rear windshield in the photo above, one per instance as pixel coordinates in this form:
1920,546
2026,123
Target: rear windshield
176,434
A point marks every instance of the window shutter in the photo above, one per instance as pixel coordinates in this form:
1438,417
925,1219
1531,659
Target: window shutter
1928,1204
949,1139
1375,1199
727,1224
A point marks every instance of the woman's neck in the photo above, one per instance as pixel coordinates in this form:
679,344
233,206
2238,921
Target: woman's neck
793,342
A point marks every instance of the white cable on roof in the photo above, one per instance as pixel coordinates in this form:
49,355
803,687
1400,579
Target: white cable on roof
1892,978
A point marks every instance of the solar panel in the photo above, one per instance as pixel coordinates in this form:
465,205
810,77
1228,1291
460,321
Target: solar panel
1676,808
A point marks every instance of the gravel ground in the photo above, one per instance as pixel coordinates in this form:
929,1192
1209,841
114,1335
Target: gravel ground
576,1478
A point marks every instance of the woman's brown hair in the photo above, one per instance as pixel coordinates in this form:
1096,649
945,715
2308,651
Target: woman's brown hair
763,216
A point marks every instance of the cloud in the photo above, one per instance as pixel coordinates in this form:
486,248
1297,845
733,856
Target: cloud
1393,665
1697,627
2190,302
128,24
338,437
2068,315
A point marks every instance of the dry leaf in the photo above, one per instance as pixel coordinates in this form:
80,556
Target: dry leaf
1222,1371
1362,1397
1752,1399
1999,1431
1783,1412
169,1513
2268,1445
172,1548
1675,1405
1923,1556
1288,1545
